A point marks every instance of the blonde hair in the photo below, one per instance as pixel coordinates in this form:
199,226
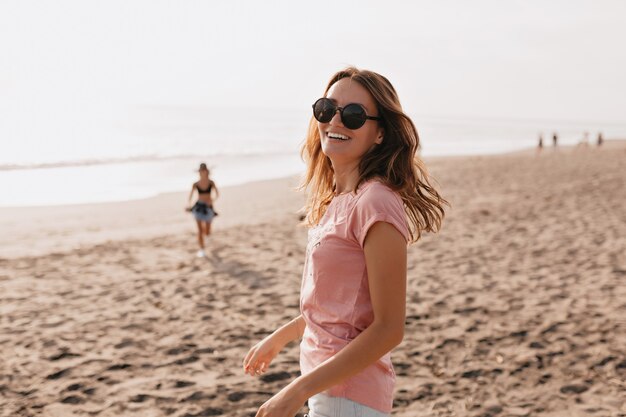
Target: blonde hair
395,161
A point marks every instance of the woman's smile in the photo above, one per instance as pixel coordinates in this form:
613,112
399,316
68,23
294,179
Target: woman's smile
337,136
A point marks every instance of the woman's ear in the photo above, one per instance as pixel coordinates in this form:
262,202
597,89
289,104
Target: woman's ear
380,137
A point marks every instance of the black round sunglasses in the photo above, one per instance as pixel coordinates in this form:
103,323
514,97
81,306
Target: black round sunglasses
353,115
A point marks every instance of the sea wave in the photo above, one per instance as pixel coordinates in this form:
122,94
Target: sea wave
134,159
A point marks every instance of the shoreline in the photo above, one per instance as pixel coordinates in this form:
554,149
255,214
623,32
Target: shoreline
92,200
39,230
427,159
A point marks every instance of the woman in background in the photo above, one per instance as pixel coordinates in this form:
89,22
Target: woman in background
368,196
203,208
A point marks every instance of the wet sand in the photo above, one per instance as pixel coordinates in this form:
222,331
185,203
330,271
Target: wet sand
517,308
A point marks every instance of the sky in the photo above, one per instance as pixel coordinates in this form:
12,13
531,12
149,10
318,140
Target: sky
69,66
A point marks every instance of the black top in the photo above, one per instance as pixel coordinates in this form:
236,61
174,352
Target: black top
206,191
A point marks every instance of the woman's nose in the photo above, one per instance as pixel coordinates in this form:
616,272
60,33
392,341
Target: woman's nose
336,120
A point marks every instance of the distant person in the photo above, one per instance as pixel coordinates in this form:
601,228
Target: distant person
540,143
369,195
555,139
600,139
203,208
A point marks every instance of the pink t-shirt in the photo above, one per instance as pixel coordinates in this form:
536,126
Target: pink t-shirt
335,300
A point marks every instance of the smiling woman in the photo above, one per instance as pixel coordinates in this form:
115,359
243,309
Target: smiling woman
368,196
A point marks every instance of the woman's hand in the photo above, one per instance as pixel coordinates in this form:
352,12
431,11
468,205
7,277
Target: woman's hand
284,404
261,355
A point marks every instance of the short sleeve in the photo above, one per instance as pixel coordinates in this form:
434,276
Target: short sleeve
378,203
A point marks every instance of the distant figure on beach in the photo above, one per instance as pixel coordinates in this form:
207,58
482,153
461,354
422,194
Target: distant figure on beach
540,143
203,208
600,139
555,139
368,197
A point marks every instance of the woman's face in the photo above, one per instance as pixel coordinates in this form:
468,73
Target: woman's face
343,145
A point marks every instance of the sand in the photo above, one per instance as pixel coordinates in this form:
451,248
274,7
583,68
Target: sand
517,308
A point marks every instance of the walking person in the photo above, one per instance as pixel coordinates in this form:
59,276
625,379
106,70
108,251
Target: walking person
202,210
369,195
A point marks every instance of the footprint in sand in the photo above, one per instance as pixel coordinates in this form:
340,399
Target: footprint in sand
185,361
197,396
124,343
139,398
59,374
63,355
236,396
73,399
574,389
276,376
119,366
183,384
181,349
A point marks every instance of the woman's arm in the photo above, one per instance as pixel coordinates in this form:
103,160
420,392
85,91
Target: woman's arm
385,257
260,355
290,331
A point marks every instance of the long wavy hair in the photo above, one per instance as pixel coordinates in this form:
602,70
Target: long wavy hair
394,162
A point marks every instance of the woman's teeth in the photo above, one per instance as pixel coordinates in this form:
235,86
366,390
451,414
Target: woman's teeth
337,136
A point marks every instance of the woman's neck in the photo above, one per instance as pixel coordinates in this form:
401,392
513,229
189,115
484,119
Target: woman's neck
346,178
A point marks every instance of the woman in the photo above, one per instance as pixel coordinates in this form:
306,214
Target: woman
363,180
203,209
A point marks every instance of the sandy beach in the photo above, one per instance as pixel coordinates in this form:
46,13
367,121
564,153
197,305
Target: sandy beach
517,308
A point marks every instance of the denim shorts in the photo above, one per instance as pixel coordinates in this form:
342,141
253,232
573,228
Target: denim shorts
322,405
203,212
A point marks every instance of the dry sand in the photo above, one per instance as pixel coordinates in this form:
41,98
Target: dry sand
518,307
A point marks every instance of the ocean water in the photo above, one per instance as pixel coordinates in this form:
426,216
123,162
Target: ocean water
146,151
